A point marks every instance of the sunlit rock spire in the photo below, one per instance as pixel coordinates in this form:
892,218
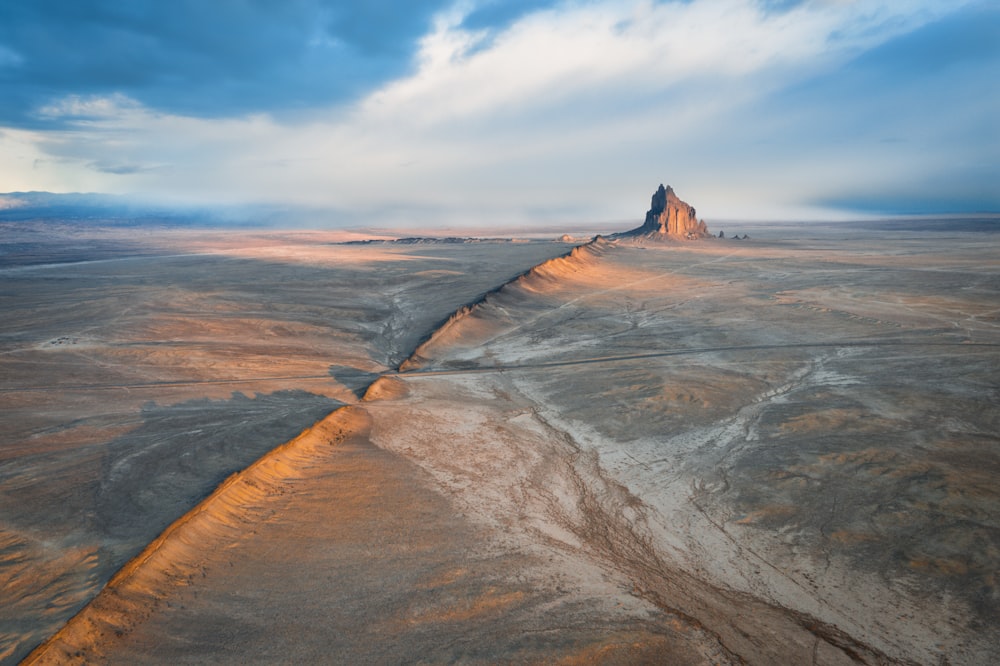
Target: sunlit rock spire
670,216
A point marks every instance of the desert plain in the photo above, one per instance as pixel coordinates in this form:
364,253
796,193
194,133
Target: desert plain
282,447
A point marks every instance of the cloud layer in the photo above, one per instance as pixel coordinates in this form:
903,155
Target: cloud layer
511,111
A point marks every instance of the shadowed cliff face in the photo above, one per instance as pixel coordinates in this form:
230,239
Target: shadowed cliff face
668,215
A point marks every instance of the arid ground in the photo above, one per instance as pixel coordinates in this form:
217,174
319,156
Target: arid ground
274,447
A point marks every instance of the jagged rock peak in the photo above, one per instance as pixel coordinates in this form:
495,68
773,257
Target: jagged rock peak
669,216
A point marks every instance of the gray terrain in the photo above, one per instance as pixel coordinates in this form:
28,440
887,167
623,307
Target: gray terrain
774,450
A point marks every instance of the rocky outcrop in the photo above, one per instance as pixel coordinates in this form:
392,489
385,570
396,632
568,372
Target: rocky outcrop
668,216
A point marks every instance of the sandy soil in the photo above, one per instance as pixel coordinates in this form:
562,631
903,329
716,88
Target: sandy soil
771,451
812,424
333,550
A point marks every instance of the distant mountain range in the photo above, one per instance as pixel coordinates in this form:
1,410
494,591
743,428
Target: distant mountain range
123,211
104,209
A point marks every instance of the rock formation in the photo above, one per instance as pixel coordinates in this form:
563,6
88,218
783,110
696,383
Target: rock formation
668,216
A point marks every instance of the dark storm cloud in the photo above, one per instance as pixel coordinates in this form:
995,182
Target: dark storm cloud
928,94
202,58
875,105
971,35
960,51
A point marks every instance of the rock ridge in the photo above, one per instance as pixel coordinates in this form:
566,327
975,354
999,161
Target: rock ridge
542,276
668,216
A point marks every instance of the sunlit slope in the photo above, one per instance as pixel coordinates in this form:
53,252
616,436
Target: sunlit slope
135,378
474,325
222,520
332,550
811,423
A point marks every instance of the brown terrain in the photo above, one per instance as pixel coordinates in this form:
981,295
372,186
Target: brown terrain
667,449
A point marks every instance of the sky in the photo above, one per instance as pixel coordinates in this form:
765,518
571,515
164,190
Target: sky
507,112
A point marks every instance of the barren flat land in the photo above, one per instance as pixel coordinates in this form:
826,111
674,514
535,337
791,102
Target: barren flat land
281,447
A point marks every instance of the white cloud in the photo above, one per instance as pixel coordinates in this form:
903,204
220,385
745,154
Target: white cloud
93,107
577,111
25,166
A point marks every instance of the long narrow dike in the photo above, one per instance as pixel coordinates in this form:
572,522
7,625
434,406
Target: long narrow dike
127,598
462,323
131,594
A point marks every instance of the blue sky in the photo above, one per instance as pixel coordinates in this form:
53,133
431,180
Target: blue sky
430,112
